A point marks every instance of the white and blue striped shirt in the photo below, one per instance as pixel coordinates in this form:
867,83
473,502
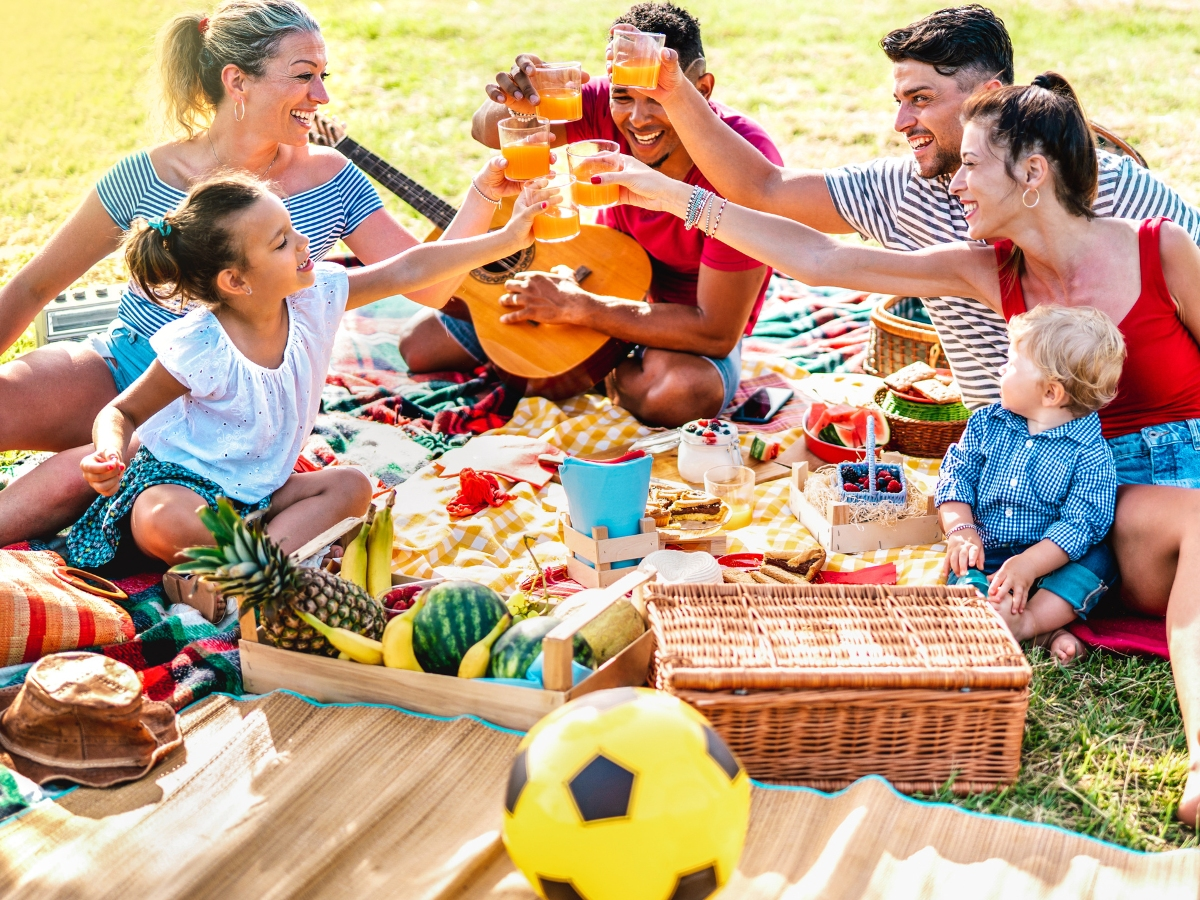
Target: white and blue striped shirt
887,199
1059,484
132,190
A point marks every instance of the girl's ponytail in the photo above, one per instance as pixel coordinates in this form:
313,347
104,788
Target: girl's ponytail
151,264
179,256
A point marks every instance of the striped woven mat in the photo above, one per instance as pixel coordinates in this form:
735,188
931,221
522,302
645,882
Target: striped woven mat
280,797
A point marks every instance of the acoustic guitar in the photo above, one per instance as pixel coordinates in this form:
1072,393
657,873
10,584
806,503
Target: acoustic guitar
553,361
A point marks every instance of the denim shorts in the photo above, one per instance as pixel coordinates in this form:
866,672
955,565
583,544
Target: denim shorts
127,353
1081,583
1166,454
728,367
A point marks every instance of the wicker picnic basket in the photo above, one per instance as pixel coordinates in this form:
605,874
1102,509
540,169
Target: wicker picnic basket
823,684
896,339
929,438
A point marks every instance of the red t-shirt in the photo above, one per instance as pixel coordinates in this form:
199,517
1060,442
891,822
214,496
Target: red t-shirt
675,253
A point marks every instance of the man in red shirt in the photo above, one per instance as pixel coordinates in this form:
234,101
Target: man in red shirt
705,295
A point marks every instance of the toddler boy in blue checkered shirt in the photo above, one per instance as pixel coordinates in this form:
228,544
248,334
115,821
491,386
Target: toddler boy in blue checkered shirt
1027,494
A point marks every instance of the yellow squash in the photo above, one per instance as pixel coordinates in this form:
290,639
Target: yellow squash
475,663
398,640
360,648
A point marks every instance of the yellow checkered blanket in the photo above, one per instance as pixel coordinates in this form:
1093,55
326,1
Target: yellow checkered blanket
488,547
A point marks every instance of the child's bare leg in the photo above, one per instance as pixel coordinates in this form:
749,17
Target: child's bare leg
1045,612
310,502
164,522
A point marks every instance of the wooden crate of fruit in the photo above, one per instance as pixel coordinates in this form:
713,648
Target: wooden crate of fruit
266,667
837,534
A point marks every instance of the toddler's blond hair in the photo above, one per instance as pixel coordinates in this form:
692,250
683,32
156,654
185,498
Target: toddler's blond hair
1078,347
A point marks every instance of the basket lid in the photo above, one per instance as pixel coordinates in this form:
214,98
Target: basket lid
754,637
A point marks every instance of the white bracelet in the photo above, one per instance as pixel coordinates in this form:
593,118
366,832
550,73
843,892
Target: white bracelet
962,527
483,195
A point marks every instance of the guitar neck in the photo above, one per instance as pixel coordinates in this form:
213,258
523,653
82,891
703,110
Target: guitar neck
428,204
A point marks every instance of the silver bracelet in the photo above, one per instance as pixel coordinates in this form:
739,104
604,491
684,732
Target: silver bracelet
963,527
695,207
717,224
483,195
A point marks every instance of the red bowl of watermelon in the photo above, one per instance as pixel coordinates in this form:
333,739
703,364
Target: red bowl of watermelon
848,426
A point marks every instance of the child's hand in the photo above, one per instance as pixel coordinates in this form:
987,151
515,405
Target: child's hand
494,182
964,550
1015,577
534,199
103,470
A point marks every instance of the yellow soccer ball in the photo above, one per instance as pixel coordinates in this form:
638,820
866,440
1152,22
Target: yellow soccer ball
626,794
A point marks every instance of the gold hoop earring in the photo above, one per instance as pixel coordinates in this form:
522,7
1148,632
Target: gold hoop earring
236,117
1036,198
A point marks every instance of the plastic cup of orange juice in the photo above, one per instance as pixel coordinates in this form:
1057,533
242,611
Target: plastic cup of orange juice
525,143
636,58
559,88
588,158
559,223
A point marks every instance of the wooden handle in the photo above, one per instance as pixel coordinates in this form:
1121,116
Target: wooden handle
93,584
558,645
328,536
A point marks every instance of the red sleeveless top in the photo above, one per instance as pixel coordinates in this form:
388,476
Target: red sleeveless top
1160,381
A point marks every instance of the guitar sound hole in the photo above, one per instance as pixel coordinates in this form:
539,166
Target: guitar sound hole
498,272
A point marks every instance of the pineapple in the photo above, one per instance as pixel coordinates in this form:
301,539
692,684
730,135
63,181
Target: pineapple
249,566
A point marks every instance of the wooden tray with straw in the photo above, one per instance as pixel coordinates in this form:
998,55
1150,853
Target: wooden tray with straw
823,684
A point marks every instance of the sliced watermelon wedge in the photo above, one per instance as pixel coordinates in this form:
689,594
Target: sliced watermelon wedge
849,423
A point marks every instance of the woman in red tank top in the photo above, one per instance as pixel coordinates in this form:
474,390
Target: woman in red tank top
1027,184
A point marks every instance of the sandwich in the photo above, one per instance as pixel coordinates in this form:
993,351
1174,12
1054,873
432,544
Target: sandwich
804,565
704,508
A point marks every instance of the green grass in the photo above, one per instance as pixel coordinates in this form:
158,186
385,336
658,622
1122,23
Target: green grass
1104,752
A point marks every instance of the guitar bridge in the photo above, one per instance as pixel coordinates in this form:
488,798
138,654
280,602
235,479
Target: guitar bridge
581,273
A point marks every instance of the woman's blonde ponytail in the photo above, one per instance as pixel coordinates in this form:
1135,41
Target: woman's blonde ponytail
180,45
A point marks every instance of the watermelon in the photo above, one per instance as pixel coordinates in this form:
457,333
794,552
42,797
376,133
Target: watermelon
455,617
849,423
516,649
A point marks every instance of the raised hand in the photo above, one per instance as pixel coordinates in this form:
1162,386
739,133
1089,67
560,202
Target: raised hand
535,198
515,89
670,77
103,470
640,185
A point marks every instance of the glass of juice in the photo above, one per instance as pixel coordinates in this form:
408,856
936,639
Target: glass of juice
560,91
734,485
636,58
588,158
559,223
525,143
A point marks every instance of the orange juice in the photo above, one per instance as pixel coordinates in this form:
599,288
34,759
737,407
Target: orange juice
560,104
636,73
739,516
555,225
595,195
527,161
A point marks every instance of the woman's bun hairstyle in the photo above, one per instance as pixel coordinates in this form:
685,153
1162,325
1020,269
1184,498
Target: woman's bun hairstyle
193,50
179,256
1043,117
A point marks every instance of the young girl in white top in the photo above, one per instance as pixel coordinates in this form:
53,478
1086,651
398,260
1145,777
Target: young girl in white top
227,405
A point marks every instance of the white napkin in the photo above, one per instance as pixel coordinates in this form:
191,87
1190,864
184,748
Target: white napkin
680,567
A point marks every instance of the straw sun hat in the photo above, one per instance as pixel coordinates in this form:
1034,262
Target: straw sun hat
81,717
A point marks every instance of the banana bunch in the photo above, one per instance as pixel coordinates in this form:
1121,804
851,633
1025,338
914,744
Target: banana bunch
379,548
354,646
367,561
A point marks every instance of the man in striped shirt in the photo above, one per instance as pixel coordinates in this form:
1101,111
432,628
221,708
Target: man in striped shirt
905,203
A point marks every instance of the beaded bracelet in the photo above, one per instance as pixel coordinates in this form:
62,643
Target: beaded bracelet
695,207
480,192
712,201
962,527
717,224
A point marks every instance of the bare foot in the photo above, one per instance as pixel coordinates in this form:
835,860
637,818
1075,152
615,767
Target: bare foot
1189,804
1066,648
